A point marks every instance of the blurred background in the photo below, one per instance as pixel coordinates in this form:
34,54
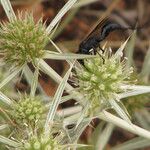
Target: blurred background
74,27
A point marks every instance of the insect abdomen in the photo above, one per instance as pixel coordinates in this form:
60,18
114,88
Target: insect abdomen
106,29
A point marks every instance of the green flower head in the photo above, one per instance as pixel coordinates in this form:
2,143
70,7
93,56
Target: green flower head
22,40
102,77
42,143
27,111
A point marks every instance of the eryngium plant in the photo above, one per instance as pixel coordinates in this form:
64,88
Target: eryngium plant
27,111
42,143
102,78
22,40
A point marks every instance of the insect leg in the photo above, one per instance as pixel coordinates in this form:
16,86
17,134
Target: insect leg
94,50
101,48
101,57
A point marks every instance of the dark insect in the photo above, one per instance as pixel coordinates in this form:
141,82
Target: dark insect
98,34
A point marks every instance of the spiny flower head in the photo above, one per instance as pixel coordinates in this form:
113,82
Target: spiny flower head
101,78
27,111
22,40
42,143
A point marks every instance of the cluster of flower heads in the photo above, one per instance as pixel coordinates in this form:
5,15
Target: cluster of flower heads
101,78
29,111
22,40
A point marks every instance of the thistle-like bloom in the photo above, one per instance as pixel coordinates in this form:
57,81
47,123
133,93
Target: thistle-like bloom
42,143
27,111
101,78
22,40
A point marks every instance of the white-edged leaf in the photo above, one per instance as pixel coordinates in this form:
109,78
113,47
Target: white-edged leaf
72,119
4,126
9,142
135,90
103,137
8,9
67,98
59,50
34,82
79,130
136,87
61,13
5,99
29,76
76,132
68,111
82,116
74,146
65,22
119,110
133,144
65,56
10,77
53,31
43,66
56,101
108,117
132,93
84,3
52,73
142,120
56,47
